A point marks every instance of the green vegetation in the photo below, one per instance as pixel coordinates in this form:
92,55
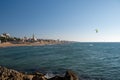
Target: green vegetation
9,39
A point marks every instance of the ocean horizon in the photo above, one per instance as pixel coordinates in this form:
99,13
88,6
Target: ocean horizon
89,60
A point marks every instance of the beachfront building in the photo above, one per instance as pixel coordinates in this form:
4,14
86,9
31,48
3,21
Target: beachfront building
25,39
33,38
5,35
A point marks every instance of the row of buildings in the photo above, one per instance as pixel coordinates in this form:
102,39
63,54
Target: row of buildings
6,37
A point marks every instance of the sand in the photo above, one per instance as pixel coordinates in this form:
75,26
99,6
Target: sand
8,44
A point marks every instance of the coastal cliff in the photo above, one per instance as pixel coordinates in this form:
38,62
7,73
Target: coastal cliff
10,74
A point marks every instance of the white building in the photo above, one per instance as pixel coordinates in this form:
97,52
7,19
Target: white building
6,35
33,38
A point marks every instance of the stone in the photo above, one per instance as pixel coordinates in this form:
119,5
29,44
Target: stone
56,78
10,74
70,75
27,77
38,76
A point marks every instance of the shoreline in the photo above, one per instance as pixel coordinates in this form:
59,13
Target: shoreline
11,74
10,44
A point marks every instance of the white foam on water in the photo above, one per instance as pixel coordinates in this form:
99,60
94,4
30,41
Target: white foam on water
49,75
90,44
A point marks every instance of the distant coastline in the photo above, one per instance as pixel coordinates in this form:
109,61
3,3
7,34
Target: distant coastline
6,40
11,44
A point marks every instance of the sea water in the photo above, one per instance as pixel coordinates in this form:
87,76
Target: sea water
91,61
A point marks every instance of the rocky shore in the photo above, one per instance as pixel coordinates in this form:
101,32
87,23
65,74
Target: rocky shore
10,74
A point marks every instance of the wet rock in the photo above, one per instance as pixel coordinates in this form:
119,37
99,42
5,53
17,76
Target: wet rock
9,74
38,76
70,75
27,77
56,78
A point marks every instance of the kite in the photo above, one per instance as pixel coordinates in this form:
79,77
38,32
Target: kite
96,30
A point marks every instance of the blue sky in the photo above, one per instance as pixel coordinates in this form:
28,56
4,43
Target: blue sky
74,20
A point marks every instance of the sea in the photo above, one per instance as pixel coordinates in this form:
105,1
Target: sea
89,60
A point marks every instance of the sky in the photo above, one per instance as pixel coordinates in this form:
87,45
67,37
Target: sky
73,20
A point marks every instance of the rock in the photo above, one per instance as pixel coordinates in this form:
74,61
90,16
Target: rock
27,77
56,78
9,74
49,75
38,76
70,75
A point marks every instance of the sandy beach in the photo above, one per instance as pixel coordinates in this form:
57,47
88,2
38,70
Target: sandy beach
9,44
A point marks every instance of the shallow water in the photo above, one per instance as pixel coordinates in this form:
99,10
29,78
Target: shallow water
91,61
